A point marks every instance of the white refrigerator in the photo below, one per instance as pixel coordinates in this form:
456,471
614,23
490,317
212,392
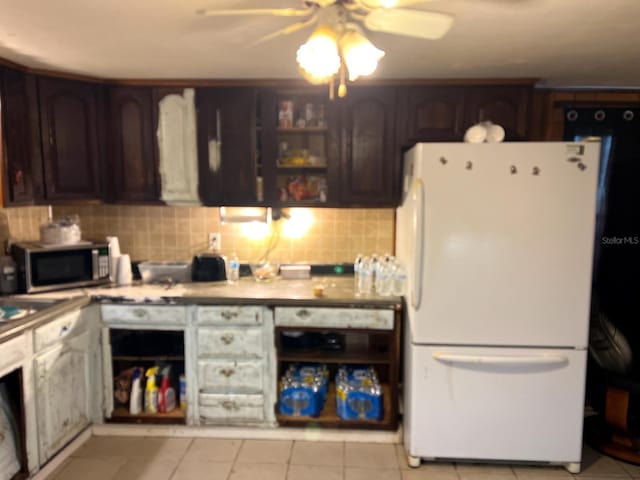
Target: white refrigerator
498,242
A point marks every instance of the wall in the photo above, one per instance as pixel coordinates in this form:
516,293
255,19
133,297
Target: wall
177,233
21,223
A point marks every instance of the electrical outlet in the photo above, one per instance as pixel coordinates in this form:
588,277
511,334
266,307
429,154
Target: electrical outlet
215,241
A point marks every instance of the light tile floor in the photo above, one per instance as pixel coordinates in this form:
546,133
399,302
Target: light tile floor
153,458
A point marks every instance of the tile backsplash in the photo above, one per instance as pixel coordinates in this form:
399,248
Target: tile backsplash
177,233
21,223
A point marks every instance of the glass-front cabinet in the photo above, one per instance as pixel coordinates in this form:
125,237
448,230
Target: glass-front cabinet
299,147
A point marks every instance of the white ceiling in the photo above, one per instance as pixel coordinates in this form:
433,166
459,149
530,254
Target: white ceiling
562,42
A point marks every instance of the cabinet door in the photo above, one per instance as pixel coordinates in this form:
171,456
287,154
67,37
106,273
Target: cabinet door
370,163
507,106
174,117
433,114
69,126
21,138
135,171
62,394
227,145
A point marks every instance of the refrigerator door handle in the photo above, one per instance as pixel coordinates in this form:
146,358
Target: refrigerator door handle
418,236
546,359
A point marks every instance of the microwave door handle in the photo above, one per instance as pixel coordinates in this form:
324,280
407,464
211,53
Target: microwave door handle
94,262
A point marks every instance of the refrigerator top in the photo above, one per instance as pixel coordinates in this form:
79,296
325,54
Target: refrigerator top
499,242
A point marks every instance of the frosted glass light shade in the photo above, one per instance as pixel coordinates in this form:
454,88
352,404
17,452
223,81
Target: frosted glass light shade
318,58
360,55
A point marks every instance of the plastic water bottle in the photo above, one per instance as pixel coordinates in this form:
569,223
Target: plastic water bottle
234,269
375,265
386,273
356,273
400,280
365,285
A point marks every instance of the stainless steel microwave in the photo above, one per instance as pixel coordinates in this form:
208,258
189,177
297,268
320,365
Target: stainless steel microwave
42,268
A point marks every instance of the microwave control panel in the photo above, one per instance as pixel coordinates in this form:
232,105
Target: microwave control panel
103,262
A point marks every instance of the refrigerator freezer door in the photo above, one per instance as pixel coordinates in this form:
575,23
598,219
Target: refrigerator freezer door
508,243
495,403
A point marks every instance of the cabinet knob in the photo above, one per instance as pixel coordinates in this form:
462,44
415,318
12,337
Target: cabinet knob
64,330
227,338
228,314
227,372
303,313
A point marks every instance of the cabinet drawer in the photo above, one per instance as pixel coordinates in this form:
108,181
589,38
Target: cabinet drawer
144,314
67,325
334,318
13,353
229,315
230,342
223,376
222,408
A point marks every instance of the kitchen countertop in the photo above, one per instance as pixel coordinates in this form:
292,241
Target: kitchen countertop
13,328
338,292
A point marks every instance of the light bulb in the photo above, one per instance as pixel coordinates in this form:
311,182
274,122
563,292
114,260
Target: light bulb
360,55
318,57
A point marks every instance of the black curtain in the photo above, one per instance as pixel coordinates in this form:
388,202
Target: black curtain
616,282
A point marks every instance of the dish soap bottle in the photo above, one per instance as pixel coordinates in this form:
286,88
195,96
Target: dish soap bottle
151,391
167,394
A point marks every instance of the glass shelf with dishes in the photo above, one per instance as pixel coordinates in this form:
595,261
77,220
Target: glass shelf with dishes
301,160
300,188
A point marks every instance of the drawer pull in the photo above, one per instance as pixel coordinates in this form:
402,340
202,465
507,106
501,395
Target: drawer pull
64,330
303,313
227,338
228,315
227,372
138,312
229,405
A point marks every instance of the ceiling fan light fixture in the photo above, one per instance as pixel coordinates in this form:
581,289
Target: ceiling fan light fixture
359,54
318,57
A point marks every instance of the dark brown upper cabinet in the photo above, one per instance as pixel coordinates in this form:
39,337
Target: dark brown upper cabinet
227,145
431,114
370,159
132,151
507,106
70,144
299,147
22,162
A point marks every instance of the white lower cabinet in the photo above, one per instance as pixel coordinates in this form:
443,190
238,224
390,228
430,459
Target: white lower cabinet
63,399
235,365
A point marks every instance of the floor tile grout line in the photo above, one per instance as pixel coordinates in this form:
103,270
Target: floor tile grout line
184,454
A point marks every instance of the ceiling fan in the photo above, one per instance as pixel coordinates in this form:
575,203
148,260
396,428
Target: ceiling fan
375,15
337,43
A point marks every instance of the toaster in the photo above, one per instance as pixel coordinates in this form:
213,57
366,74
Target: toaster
208,267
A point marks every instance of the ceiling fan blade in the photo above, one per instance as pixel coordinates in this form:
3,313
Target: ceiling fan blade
412,23
276,12
390,3
285,31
